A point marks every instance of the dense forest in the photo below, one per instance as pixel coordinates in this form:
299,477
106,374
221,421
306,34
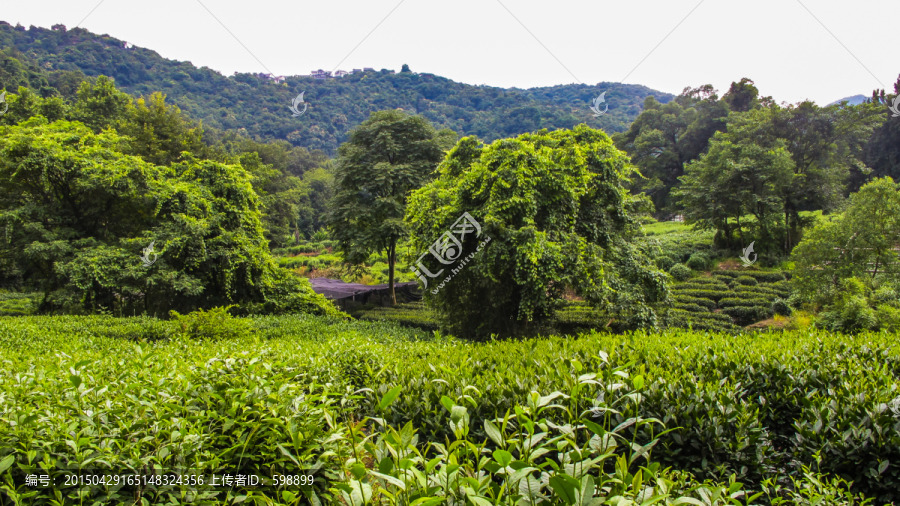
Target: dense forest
259,107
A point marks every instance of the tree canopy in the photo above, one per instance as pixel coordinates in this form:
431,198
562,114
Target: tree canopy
78,212
389,155
554,207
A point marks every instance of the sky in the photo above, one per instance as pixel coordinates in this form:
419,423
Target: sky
794,50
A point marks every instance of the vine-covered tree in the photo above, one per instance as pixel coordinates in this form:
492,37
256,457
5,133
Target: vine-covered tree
389,155
554,207
79,213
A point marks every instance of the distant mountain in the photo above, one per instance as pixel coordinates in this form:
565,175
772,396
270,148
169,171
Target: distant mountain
259,105
854,100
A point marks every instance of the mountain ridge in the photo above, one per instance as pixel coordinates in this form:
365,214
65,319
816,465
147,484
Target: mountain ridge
258,106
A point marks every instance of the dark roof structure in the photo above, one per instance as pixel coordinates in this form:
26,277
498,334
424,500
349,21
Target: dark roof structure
336,289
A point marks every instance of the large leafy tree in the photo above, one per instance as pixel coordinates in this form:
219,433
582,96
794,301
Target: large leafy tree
860,243
823,144
665,137
736,178
78,212
389,155
882,152
554,207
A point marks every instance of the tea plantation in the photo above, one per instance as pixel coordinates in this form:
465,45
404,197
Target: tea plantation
378,413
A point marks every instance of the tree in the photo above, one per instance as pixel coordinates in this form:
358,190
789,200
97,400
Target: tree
388,155
823,144
665,137
78,212
882,152
554,207
861,243
737,177
314,203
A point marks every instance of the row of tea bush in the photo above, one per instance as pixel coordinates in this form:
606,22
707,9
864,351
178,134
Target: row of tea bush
282,393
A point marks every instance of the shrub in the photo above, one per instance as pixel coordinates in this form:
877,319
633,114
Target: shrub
705,294
762,291
686,299
745,315
696,308
746,281
691,285
701,280
740,301
680,272
664,262
214,324
767,277
780,306
698,262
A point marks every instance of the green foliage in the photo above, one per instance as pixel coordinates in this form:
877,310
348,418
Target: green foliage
389,155
686,299
202,217
414,314
18,304
781,307
214,324
773,163
745,315
666,136
748,407
680,272
698,262
259,106
553,206
859,243
746,281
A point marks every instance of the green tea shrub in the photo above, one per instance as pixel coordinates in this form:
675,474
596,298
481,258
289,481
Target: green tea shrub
214,324
746,281
686,299
737,406
705,294
691,285
759,290
700,280
680,272
698,262
410,314
691,307
745,315
741,301
780,306
665,262
766,277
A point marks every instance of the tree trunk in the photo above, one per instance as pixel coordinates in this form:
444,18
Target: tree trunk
787,232
392,258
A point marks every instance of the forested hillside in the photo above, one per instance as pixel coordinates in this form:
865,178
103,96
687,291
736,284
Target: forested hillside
260,106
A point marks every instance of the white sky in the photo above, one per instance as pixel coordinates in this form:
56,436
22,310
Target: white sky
777,43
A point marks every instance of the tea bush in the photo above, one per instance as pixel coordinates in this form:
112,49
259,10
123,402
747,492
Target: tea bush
697,262
680,272
288,396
